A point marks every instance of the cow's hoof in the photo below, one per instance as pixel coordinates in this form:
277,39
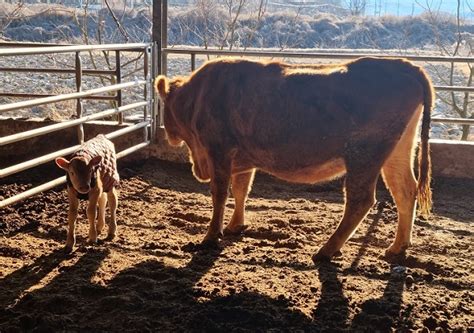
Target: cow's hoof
321,257
396,250
68,249
235,232
206,245
394,256
209,244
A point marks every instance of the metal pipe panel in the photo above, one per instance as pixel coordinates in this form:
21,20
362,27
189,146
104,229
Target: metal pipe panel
65,97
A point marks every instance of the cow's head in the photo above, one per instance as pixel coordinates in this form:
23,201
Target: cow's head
80,171
166,90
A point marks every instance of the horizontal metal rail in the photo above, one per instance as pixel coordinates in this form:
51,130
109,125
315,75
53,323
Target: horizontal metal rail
315,55
61,180
455,88
36,161
22,51
57,70
25,95
67,124
65,97
33,191
49,157
457,121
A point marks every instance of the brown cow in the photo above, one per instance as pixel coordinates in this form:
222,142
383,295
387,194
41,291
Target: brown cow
306,124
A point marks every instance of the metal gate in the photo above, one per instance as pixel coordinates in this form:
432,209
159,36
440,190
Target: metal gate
147,123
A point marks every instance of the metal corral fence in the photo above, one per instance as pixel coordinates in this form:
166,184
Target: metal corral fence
158,51
147,124
193,52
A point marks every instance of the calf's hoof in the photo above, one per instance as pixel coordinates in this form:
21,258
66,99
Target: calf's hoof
110,237
68,249
235,231
91,241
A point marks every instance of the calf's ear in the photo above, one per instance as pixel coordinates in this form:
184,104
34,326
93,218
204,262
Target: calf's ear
62,163
95,160
162,86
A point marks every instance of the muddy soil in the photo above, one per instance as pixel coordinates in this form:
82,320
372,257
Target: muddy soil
151,278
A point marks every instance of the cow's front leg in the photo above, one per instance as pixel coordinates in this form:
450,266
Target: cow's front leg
220,179
92,215
241,185
71,220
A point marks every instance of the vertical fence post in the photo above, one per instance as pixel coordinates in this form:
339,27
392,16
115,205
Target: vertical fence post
193,62
156,63
80,128
164,36
146,89
118,76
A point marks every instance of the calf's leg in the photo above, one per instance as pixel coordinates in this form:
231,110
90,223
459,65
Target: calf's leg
71,220
92,215
101,217
112,195
241,186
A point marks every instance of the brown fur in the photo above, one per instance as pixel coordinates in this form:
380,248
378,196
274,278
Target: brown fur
306,124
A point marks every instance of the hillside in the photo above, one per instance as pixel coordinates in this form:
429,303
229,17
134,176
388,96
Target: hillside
211,27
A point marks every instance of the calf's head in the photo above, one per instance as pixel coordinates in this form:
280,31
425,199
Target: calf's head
167,90
80,171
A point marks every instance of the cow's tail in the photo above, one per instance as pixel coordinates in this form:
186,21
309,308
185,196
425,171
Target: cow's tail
424,159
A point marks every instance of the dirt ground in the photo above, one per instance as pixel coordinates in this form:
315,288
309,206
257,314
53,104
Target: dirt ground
152,279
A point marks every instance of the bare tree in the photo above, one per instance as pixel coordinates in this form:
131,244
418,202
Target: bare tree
459,103
356,7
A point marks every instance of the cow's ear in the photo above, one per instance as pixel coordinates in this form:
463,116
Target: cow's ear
162,86
95,160
62,163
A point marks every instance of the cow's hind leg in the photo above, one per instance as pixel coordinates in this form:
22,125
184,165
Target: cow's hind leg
398,175
112,196
359,198
241,185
